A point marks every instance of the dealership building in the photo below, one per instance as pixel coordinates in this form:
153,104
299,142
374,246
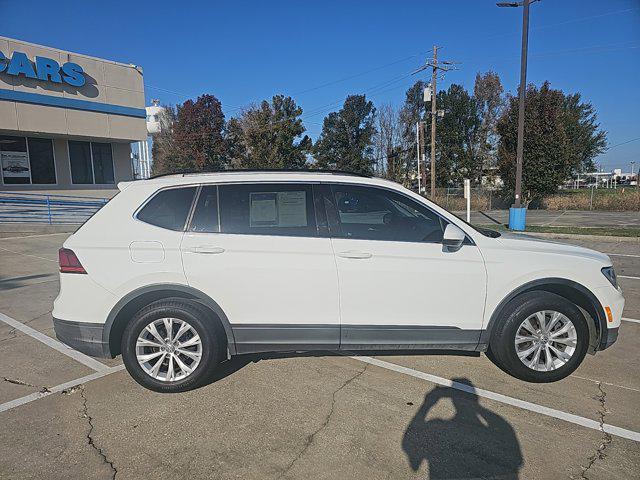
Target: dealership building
67,121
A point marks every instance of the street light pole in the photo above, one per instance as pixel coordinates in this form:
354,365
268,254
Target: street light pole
517,214
521,95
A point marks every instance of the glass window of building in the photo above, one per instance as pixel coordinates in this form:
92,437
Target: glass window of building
91,162
27,160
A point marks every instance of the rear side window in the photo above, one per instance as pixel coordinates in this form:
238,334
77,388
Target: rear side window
168,208
267,209
205,216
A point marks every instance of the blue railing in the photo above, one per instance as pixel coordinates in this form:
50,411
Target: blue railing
51,209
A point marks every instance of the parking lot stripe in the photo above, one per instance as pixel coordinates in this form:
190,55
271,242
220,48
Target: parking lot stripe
622,255
498,397
58,388
626,276
630,320
55,344
28,255
33,236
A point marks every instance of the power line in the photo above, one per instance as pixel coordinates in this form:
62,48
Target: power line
623,143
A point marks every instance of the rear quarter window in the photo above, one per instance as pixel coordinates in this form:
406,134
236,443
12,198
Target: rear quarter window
168,208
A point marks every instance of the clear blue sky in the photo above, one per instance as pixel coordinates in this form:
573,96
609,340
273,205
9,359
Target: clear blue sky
244,51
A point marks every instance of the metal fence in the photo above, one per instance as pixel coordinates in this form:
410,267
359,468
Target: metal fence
49,209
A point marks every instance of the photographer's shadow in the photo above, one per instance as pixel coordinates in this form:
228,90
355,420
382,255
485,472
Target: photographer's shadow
475,443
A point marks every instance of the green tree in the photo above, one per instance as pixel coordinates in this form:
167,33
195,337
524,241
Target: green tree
561,136
488,93
194,141
456,137
346,141
413,111
268,136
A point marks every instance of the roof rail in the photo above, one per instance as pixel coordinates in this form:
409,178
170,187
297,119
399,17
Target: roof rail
266,170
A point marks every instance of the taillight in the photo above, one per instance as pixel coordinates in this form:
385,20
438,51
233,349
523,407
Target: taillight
69,263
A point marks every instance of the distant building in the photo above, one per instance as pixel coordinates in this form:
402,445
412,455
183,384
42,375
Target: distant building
141,156
67,120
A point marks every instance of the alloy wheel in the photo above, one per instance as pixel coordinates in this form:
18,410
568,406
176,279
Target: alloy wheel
169,349
546,340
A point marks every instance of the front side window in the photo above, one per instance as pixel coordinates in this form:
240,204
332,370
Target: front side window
168,208
267,209
370,213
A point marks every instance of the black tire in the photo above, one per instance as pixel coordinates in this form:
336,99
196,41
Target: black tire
502,343
208,329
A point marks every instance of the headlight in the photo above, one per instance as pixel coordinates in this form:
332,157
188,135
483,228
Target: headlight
610,273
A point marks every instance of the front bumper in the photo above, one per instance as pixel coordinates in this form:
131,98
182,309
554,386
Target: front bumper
85,337
608,338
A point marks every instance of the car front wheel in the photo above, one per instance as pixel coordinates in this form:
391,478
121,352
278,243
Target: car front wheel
541,337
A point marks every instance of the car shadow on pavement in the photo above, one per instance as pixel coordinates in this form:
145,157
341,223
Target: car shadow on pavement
474,443
237,362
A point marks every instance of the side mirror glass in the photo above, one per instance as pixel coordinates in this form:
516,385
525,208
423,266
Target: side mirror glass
453,237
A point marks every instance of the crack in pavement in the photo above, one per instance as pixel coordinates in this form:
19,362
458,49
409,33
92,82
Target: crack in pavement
22,383
600,453
312,436
85,414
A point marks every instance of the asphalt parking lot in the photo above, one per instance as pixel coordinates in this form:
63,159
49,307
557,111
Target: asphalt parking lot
66,416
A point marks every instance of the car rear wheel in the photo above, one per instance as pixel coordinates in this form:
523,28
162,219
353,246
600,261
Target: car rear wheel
171,346
541,337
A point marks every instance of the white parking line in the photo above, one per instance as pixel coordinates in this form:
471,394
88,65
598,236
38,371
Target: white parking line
630,320
28,255
55,344
34,236
58,388
515,402
626,276
622,255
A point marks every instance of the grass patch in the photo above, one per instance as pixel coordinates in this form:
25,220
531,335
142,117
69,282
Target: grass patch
603,231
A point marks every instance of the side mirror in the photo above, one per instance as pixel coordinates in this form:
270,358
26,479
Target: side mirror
453,237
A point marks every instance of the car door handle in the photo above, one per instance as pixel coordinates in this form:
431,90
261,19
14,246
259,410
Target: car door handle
355,254
207,250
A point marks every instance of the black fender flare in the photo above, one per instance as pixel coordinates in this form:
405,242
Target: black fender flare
183,291
548,284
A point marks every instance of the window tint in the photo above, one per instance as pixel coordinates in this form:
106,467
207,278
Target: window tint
169,208
80,158
205,216
376,214
43,168
267,209
102,162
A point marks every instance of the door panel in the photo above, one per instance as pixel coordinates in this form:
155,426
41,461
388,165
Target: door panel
399,288
279,291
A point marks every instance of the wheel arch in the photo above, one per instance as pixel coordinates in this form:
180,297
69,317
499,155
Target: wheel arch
574,292
132,302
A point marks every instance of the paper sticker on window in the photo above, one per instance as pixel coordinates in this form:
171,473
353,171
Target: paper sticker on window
292,209
264,210
278,209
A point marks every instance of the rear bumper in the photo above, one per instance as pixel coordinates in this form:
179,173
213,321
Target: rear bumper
84,337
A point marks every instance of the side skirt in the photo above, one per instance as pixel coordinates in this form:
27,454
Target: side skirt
256,338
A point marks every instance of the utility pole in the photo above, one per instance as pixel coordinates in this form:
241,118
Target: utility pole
422,157
445,66
434,90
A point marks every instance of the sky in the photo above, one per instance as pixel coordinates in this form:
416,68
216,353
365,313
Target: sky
320,52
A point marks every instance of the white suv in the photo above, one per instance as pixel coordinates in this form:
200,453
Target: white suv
178,273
